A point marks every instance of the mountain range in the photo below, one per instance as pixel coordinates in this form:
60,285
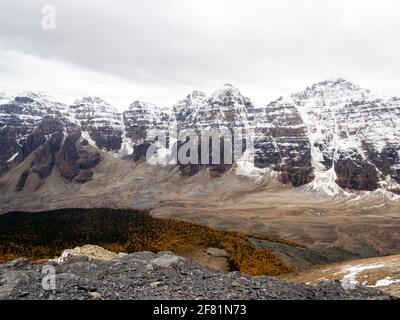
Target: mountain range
333,138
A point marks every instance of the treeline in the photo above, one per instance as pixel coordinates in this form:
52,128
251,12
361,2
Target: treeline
45,235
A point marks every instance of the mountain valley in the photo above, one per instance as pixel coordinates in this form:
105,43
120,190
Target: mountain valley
325,176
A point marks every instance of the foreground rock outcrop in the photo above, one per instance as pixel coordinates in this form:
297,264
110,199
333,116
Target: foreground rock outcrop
146,275
92,252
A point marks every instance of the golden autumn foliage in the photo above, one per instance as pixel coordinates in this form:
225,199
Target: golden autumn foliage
46,234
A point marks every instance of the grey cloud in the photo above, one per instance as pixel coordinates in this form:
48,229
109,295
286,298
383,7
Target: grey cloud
258,45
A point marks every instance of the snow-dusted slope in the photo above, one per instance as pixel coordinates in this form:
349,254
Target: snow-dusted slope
139,119
352,131
20,118
226,107
277,131
28,108
39,132
330,138
100,123
281,141
185,109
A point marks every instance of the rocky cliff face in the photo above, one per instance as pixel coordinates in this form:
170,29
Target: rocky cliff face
277,130
281,142
100,123
332,137
139,119
43,133
185,109
354,135
226,107
25,124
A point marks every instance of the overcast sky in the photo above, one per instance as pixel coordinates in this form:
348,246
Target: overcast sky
160,50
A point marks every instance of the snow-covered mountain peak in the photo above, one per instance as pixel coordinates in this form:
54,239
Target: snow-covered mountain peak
39,96
337,84
101,124
33,94
139,104
283,100
226,89
187,107
92,107
196,94
227,94
35,103
138,120
331,137
335,92
92,101
148,108
95,109
27,122
192,101
353,134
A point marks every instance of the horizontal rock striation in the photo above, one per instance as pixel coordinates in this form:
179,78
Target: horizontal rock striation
332,137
